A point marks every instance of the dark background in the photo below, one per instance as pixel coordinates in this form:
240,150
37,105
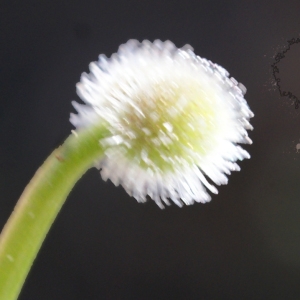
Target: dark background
245,244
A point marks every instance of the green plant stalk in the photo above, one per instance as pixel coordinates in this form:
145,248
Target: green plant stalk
39,205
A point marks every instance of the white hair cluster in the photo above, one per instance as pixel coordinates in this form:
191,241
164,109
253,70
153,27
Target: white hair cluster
175,120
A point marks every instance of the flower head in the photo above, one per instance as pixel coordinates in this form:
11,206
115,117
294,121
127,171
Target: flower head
175,120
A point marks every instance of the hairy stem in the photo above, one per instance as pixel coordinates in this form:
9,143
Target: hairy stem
39,205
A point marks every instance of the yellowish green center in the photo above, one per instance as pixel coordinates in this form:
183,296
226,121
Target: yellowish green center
169,127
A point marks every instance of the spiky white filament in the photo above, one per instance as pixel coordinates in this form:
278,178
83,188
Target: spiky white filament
174,118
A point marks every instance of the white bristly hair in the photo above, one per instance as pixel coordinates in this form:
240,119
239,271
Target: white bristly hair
175,120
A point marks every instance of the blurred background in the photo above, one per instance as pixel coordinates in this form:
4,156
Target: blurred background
244,244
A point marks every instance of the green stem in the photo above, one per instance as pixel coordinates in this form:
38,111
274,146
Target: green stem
39,205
